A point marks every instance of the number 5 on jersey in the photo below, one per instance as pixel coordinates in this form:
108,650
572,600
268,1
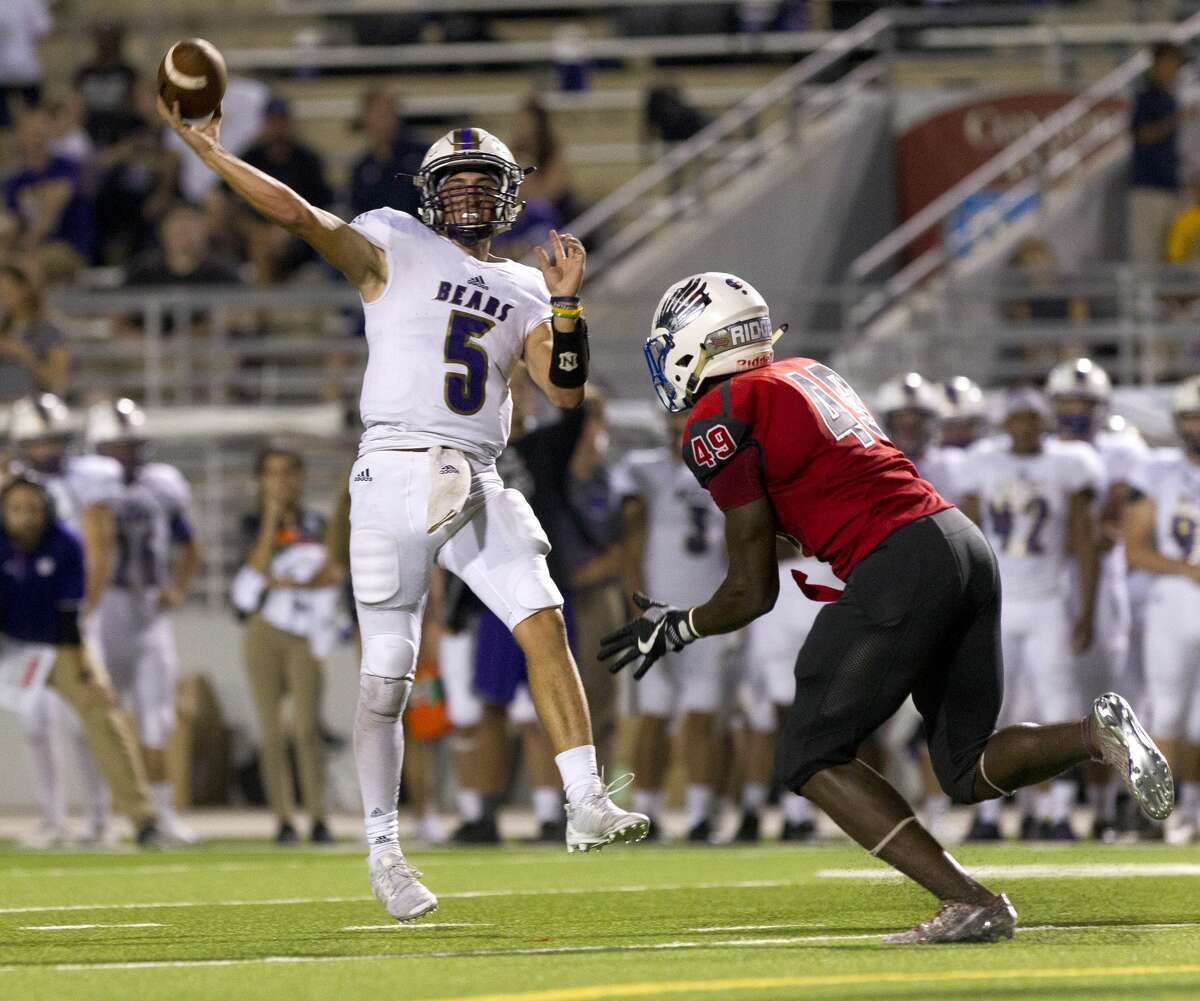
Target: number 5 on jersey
466,391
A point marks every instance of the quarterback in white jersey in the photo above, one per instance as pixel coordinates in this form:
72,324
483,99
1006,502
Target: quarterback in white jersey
151,510
42,428
1081,391
1162,538
676,537
1033,496
446,322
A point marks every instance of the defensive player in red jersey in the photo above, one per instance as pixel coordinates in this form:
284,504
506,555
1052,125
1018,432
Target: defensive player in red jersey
788,447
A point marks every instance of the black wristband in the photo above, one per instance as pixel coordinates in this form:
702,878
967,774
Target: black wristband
569,356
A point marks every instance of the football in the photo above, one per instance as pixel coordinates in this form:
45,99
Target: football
192,73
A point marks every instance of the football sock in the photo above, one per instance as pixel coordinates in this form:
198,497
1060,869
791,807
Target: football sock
754,797
649,802
1019,756
862,803
378,756
1044,811
1189,800
470,805
935,807
383,832
1102,798
547,805
580,775
988,812
699,804
796,809
163,797
1062,797
99,799
47,767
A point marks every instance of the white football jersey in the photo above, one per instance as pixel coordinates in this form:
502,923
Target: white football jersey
1172,481
939,466
1025,502
685,530
152,512
442,340
84,480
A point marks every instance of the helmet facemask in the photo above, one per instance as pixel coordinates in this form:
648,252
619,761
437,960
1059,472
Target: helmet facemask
1079,417
494,199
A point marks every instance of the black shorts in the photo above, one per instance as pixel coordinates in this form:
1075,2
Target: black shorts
920,616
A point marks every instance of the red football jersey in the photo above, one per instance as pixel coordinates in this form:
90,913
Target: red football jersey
797,429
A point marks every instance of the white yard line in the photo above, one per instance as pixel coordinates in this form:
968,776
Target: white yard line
1117,870
749,884
803,924
130,924
737,943
419,926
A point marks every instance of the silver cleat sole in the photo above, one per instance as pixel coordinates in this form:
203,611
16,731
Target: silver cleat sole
417,915
1128,748
960,922
629,834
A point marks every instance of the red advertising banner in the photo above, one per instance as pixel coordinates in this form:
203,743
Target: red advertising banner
937,153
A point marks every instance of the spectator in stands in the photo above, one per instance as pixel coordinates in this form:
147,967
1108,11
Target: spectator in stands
33,355
391,150
183,258
274,253
1154,168
668,117
289,631
1041,299
108,90
22,23
1183,240
48,194
68,138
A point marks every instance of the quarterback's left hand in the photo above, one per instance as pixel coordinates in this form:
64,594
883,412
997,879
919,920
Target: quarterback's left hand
644,640
563,274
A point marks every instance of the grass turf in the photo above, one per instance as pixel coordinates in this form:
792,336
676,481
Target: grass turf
537,925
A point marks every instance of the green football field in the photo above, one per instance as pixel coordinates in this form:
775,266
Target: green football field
238,921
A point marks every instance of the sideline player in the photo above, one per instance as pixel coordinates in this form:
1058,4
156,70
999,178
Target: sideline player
42,428
673,534
41,589
1080,391
789,447
152,513
911,409
446,323
1033,496
964,416
1162,538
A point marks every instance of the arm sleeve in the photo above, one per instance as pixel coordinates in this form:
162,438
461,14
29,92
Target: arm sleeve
739,481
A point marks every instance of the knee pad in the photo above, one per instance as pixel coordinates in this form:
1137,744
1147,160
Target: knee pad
390,656
383,697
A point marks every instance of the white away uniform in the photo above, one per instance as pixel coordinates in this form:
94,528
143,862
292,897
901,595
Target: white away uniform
444,336
684,562
1025,502
1102,667
1171,652
940,466
152,513
775,639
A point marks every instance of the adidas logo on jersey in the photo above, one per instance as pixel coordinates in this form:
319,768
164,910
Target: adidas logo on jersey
363,476
478,282
449,470
470,296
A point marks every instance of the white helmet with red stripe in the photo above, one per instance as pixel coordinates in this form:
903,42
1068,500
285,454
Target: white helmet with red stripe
704,326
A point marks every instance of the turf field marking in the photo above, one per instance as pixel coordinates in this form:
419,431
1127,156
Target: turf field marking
129,924
420,926
826,980
806,924
749,884
1085,870
737,943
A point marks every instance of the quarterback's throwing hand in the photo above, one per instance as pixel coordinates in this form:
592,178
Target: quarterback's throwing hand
644,640
563,266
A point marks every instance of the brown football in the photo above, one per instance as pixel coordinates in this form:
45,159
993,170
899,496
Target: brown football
192,73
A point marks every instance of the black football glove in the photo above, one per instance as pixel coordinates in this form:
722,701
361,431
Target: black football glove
644,640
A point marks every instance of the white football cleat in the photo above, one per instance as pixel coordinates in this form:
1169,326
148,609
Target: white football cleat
45,836
1126,747
596,821
175,833
397,885
1179,830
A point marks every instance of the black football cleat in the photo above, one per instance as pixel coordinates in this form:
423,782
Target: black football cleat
477,832
321,834
983,830
701,833
805,830
1059,830
748,829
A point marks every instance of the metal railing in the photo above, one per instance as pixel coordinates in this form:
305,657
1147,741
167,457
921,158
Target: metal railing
1047,170
698,166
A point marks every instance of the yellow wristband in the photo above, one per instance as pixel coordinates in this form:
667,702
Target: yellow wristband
568,313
